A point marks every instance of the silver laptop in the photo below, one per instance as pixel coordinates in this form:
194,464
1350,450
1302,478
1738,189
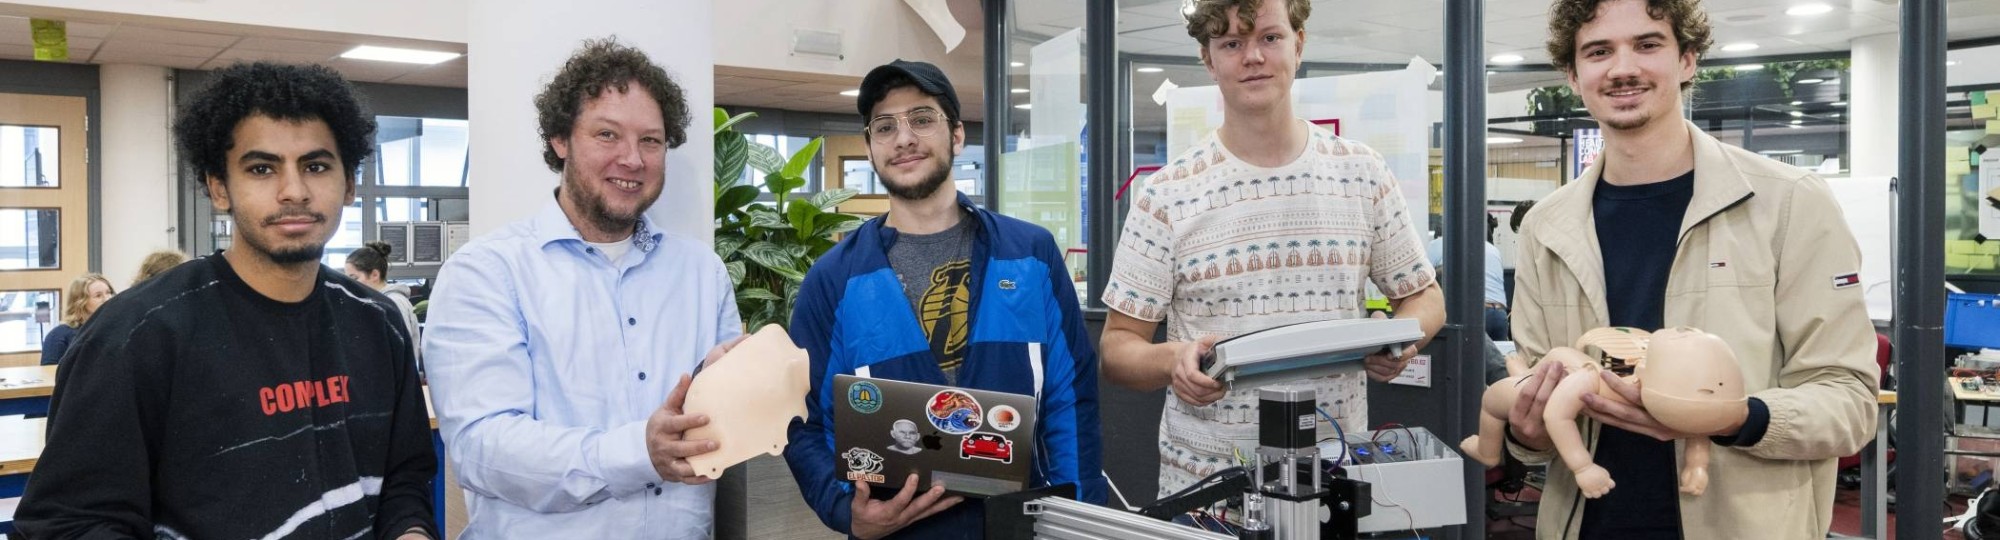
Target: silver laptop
977,443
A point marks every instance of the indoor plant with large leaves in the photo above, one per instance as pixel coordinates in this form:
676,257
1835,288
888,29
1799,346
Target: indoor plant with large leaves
768,245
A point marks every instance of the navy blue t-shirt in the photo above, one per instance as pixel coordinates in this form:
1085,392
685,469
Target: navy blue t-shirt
1638,231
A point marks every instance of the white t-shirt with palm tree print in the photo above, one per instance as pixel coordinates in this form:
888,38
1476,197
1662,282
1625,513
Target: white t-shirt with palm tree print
1215,245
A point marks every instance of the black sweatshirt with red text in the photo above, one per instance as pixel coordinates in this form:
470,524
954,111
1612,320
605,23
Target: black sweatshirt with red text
193,406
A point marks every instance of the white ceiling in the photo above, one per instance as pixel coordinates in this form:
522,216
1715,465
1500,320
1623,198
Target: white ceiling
101,38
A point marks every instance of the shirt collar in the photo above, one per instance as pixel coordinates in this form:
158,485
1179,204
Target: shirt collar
552,225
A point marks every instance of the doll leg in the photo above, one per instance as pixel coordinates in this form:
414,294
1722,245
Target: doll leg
1494,405
1559,418
1694,466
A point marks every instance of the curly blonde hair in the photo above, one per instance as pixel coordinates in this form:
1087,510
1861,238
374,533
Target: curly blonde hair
77,297
1212,18
158,262
1566,17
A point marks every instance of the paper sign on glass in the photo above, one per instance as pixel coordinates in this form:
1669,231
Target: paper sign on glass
750,396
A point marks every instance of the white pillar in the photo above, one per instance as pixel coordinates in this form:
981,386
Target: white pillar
515,46
1871,106
138,212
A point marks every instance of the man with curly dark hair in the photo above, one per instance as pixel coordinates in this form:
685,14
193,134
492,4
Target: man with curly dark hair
560,347
255,393
1673,228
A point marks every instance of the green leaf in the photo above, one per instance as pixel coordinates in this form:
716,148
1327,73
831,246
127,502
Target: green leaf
801,217
827,200
736,270
726,245
733,199
722,124
796,168
757,293
780,185
792,275
829,224
766,159
763,217
768,255
731,151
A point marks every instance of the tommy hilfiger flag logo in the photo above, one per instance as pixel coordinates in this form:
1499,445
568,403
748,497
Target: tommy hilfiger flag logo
1846,280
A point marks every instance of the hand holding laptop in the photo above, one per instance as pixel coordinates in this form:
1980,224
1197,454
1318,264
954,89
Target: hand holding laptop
870,518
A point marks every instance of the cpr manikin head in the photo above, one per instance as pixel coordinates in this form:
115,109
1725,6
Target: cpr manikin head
750,396
1691,382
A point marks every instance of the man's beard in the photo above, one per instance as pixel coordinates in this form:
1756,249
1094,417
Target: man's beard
923,188
310,252
595,210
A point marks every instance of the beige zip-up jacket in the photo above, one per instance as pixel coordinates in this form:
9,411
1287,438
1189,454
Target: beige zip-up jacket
1762,261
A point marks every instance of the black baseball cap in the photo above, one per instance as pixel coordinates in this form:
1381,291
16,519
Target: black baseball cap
928,78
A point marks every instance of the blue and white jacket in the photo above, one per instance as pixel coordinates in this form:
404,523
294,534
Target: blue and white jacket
1027,338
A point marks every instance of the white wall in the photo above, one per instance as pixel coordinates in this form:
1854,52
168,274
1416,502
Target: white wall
515,46
874,32
439,20
138,196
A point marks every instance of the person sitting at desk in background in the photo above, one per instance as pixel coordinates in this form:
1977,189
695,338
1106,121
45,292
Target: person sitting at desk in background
158,262
80,300
370,266
1496,280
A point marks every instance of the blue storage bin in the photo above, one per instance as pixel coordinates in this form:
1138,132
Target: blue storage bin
1972,321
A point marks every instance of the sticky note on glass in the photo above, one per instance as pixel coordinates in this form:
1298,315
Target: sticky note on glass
1993,127
1957,153
1978,97
51,39
1990,110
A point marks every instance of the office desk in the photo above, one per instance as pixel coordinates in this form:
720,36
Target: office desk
25,390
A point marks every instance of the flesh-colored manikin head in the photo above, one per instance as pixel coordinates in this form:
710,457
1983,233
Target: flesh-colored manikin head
1690,380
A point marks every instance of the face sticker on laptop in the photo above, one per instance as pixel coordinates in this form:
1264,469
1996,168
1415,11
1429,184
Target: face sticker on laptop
954,412
1004,418
864,397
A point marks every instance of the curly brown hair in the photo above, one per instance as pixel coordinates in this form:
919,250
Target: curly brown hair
77,297
599,65
1566,17
1211,18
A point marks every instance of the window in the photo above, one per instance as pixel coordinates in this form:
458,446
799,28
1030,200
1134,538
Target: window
26,316
28,157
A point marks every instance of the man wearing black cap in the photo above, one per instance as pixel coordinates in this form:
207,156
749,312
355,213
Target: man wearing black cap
944,256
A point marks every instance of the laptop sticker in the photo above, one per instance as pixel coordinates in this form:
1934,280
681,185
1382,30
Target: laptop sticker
905,435
1004,418
954,412
864,466
864,397
990,446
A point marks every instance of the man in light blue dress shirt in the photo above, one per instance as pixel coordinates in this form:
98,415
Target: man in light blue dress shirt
560,347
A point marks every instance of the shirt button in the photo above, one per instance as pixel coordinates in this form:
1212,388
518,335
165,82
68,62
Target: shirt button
650,485
590,250
656,491
630,321
642,375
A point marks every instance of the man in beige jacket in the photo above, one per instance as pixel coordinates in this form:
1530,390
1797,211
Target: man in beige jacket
1671,227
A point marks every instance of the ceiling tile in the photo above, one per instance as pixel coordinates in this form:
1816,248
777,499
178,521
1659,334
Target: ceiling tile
118,44
140,34
293,46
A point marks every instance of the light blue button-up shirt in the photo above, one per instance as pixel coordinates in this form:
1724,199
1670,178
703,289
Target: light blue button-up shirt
545,360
